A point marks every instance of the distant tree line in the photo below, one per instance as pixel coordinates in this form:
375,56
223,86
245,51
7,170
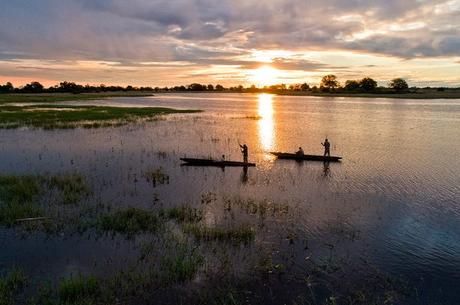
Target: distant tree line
67,87
329,83
366,85
71,87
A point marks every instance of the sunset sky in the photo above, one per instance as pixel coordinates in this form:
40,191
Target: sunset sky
231,42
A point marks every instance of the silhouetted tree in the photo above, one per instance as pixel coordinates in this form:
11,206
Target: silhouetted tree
69,87
8,87
304,87
219,87
351,85
368,84
329,82
196,87
210,87
33,87
399,85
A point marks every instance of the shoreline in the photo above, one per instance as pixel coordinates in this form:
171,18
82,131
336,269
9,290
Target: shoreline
421,94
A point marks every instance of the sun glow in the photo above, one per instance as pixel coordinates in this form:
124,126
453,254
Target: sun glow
264,76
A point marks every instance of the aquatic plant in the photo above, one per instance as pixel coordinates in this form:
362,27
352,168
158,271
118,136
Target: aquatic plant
260,207
156,176
78,290
129,221
16,196
182,265
242,234
183,214
22,196
11,285
72,187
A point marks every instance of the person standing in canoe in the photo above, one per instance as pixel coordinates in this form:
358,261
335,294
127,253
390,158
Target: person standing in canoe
244,151
300,152
327,146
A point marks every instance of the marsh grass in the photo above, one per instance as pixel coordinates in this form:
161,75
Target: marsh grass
248,117
257,207
16,198
129,221
156,176
78,290
60,97
72,187
182,265
11,284
65,116
183,214
23,196
242,234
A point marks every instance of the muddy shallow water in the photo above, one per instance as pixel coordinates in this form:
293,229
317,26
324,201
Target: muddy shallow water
392,204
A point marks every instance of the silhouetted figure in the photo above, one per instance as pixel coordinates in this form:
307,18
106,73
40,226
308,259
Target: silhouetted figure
327,146
300,152
223,158
244,151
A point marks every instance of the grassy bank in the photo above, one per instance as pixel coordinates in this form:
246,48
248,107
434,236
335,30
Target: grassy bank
59,116
60,97
418,94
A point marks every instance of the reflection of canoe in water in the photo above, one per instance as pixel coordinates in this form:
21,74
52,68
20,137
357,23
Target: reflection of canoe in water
281,155
210,162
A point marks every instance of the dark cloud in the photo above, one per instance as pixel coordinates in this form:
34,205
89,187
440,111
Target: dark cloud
208,32
142,29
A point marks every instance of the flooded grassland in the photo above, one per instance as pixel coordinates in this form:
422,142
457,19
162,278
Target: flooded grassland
109,216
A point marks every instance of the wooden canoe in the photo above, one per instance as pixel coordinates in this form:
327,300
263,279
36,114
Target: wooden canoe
297,157
211,162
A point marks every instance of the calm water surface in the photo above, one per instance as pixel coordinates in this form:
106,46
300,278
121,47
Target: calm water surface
393,202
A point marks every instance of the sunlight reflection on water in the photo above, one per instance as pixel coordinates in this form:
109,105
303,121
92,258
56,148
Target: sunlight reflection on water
266,123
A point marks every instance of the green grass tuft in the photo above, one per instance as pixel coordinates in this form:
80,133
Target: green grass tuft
11,285
78,290
129,221
183,214
243,234
16,197
21,196
182,265
72,187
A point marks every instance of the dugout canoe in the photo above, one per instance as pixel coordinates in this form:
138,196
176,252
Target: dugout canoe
211,162
297,157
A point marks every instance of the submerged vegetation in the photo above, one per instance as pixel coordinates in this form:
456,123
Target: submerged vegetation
78,290
24,196
179,251
240,234
129,221
63,116
11,285
157,176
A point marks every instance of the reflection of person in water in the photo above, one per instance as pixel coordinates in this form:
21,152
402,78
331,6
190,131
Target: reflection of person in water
244,175
326,171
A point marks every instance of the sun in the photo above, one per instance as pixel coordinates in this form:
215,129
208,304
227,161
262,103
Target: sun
264,76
